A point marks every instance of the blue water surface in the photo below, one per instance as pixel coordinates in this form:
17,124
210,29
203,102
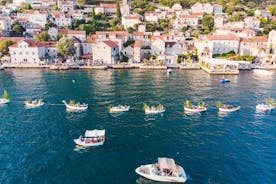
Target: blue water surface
37,144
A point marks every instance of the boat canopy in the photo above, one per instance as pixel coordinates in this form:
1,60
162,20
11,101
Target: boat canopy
94,133
166,163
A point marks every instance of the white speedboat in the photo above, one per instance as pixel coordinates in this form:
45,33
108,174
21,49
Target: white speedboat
34,103
264,107
195,109
91,138
262,72
2,68
164,171
4,101
5,98
154,109
119,108
228,108
72,106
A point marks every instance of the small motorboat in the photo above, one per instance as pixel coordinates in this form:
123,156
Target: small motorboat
264,107
262,72
2,68
228,108
5,98
91,138
224,80
34,103
169,71
166,170
154,109
73,106
119,108
201,107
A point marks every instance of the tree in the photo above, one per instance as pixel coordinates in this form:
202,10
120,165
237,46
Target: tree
43,37
207,23
65,47
26,6
17,29
93,16
272,9
118,10
4,46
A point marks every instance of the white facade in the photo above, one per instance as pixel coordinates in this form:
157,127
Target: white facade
252,23
27,52
65,5
151,17
106,52
61,19
217,44
202,8
19,2
131,20
35,18
5,23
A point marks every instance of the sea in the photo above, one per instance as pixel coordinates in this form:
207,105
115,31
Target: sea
36,145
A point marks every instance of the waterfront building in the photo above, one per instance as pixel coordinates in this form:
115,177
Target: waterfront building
106,52
31,52
253,46
5,23
252,23
217,44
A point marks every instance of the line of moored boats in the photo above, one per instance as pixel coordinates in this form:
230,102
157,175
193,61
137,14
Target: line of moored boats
165,170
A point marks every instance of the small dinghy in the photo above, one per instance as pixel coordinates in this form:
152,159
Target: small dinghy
91,138
201,107
119,108
73,106
262,72
164,171
154,109
264,107
224,80
5,98
34,103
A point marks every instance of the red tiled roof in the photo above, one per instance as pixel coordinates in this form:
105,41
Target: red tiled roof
106,5
110,43
223,37
255,39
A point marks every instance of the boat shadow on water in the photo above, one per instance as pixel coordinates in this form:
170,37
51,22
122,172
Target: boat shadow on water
153,117
75,115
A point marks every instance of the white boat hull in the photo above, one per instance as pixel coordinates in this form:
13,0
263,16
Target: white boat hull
260,107
30,105
70,108
262,72
229,110
148,111
195,110
115,110
4,101
84,144
159,177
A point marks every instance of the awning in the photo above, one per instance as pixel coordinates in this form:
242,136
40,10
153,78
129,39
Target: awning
166,163
94,133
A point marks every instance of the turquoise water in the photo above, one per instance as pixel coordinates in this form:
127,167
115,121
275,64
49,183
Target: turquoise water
37,144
